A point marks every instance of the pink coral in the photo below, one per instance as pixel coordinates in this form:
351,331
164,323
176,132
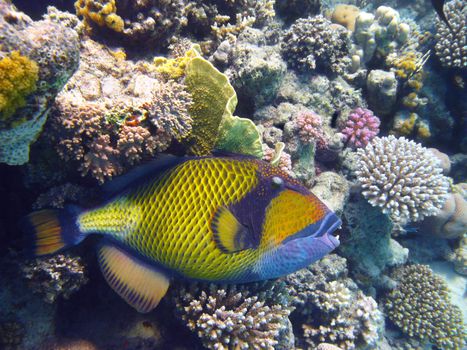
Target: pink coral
310,128
285,160
360,128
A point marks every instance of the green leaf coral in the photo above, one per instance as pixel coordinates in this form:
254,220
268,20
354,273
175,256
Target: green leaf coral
18,78
214,101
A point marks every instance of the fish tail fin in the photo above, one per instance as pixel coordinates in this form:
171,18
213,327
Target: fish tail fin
52,230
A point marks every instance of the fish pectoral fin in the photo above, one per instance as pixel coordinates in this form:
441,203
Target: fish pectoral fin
141,285
229,234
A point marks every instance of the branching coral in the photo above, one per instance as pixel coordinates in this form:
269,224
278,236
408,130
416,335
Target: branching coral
337,311
360,128
314,43
420,305
451,44
18,78
60,275
310,128
401,177
252,316
114,113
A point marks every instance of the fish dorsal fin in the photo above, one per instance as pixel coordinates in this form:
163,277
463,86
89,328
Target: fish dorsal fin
141,285
229,234
141,174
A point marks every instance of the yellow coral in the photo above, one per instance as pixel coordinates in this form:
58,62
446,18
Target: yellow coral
101,12
345,15
404,126
174,68
18,78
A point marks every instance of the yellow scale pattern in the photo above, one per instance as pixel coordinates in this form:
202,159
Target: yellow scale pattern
289,213
175,214
118,218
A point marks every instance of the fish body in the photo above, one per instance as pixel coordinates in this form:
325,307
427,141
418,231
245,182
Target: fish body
438,5
230,219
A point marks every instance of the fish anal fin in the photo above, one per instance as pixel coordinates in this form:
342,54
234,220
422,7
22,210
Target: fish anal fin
229,234
139,284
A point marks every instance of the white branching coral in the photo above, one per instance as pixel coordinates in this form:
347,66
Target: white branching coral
401,177
251,316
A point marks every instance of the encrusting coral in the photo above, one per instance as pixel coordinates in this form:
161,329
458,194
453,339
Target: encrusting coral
336,310
360,128
401,177
253,316
420,305
18,78
314,43
451,43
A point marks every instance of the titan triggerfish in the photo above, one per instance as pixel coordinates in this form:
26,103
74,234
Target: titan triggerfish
226,218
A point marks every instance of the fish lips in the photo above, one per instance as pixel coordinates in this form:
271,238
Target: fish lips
321,230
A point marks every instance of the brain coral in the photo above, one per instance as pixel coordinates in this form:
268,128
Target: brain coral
421,307
401,177
451,45
313,43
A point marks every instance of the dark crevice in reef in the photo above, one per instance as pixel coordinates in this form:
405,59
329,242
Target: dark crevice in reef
35,9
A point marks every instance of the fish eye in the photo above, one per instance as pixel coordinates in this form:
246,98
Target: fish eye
277,182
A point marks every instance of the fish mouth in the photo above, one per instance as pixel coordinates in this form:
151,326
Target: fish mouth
321,230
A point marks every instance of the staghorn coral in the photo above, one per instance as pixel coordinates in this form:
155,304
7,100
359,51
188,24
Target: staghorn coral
37,58
336,310
451,44
420,305
251,316
360,128
18,78
58,196
56,276
401,177
313,43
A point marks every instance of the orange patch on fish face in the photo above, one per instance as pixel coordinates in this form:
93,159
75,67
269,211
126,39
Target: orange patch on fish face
289,213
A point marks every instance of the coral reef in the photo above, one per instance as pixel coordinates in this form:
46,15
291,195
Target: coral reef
451,221
382,91
113,113
421,307
336,310
56,276
360,128
451,43
379,34
252,316
367,243
255,68
310,128
313,43
37,58
345,15
401,177
333,189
